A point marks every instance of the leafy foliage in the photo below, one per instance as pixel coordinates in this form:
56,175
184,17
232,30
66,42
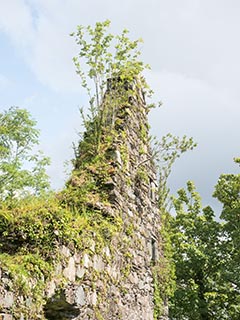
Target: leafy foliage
195,239
164,272
227,191
206,255
199,269
166,151
20,170
104,56
109,64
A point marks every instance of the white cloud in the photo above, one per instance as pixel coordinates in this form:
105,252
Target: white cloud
16,20
194,37
52,56
191,44
42,37
207,113
193,106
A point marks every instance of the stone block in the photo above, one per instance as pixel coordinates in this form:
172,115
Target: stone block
80,297
65,251
7,300
6,316
98,264
70,271
80,271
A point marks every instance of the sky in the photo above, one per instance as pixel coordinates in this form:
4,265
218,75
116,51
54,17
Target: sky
192,46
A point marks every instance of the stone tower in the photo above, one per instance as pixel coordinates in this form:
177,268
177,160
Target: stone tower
112,274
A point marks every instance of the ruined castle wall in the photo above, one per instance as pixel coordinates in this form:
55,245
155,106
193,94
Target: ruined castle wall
115,281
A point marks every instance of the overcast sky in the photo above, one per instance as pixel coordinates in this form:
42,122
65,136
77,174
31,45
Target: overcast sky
192,46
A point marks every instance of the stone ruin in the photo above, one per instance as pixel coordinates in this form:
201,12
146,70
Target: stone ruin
116,281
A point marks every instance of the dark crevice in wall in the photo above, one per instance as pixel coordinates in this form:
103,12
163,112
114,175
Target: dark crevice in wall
57,308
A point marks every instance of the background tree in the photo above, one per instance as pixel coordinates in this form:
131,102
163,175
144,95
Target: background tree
227,191
206,254
21,170
195,238
166,152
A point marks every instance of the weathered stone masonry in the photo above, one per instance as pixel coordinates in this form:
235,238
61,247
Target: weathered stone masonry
115,282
